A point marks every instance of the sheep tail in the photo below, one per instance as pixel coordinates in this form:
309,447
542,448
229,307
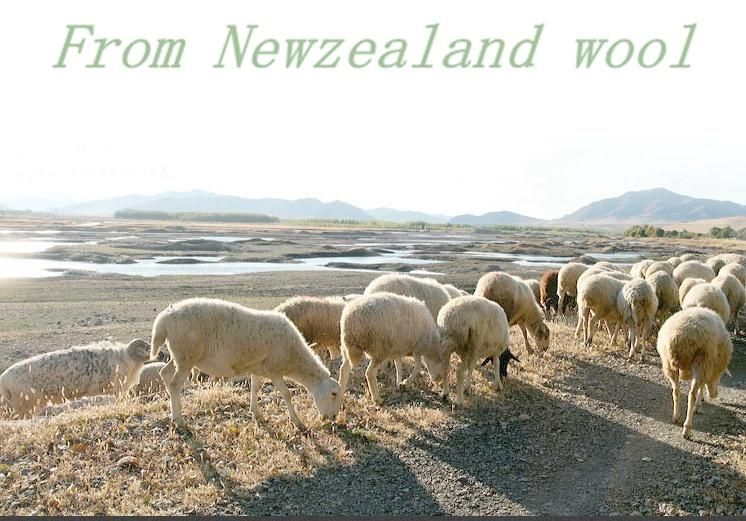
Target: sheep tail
158,337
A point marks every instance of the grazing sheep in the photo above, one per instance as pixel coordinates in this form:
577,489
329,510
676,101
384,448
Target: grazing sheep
658,266
688,257
692,269
736,295
453,291
473,327
607,265
387,326
637,304
149,379
567,282
694,344
76,372
597,300
735,269
429,291
618,275
674,261
716,262
317,319
638,269
535,288
517,300
667,293
686,285
223,339
708,296
549,300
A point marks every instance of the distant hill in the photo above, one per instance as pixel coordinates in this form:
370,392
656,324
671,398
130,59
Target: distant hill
655,206
496,218
400,216
209,202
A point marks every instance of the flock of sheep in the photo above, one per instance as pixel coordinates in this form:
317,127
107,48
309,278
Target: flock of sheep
690,303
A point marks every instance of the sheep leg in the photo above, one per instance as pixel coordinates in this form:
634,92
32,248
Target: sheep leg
399,371
676,390
498,380
467,387
525,341
371,374
279,383
643,341
344,373
616,332
460,377
691,406
632,341
255,386
415,371
590,324
174,387
581,323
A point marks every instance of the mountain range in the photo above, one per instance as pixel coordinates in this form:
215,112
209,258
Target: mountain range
654,206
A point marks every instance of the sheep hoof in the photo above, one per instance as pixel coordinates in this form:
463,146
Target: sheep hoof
686,433
676,420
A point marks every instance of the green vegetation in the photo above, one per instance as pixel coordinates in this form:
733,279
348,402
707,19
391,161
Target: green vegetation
646,230
226,217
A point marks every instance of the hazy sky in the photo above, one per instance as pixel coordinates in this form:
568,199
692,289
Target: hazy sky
541,141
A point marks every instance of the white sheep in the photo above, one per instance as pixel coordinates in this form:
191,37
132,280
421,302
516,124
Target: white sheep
716,262
535,287
658,266
386,326
708,296
688,257
735,269
637,305
638,269
453,291
736,295
674,261
317,319
595,270
429,291
567,282
68,374
667,293
686,285
692,269
149,379
607,265
519,304
223,339
473,327
694,344
597,300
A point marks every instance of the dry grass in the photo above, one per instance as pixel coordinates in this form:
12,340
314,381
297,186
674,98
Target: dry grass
126,458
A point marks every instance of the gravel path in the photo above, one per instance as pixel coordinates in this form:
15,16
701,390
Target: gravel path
596,441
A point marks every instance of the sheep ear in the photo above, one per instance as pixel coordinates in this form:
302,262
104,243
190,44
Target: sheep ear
513,357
